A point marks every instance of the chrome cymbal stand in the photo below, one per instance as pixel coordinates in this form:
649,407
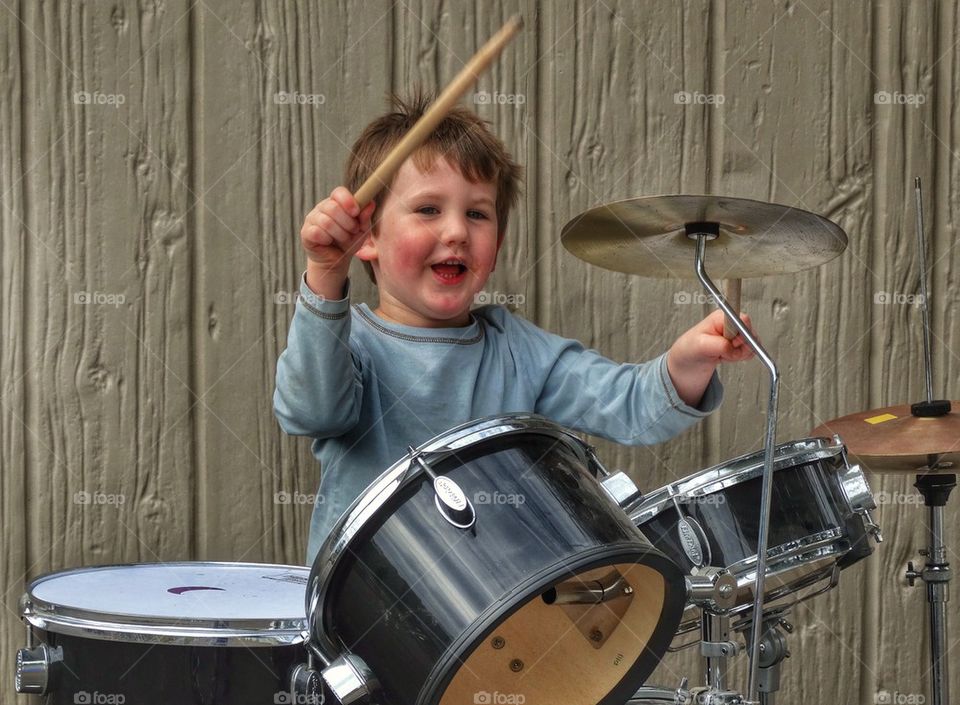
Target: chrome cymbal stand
936,575
936,491
702,233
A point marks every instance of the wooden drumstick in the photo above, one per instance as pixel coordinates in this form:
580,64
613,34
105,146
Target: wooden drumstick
731,292
435,113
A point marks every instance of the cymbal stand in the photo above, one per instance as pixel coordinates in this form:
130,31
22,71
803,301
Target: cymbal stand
703,232
936,491
936,575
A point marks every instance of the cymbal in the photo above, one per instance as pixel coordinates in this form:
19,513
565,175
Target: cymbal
892,440
647,236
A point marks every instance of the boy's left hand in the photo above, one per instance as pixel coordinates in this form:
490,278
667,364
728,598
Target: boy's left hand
695,355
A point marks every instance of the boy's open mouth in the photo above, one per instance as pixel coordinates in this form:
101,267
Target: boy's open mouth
449,269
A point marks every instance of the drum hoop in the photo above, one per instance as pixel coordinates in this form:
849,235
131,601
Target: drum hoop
392,481
76,621
733,472
792,553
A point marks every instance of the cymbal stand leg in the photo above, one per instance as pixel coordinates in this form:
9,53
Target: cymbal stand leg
703,232
936,574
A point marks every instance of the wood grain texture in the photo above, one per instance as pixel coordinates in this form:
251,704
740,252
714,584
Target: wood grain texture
150,253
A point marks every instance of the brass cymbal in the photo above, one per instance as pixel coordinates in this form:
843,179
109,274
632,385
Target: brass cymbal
892,440
647,236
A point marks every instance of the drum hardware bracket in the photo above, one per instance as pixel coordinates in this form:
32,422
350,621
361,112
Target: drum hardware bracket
712,589
719,649
594,606
451,501
773,650
621,488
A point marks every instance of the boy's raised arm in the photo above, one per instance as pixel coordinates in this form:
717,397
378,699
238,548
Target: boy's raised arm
319,384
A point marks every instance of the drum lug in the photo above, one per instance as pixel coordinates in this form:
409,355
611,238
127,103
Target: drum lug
872,526
620,488
351,681
306,686
37,669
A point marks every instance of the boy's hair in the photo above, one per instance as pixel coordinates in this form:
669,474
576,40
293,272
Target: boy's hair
462,138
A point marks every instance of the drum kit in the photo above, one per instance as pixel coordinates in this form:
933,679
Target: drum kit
500,563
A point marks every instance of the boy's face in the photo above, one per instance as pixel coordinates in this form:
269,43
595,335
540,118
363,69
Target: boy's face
435,244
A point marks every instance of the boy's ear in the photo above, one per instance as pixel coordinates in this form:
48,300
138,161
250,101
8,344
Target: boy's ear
368,250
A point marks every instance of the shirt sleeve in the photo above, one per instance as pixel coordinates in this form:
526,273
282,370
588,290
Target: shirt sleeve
633,404
319,383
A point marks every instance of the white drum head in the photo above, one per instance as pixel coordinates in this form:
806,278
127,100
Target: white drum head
178,602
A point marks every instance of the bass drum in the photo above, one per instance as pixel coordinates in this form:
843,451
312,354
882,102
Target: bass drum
490,566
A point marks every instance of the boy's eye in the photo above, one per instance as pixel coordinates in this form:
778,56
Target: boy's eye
427,210
479,215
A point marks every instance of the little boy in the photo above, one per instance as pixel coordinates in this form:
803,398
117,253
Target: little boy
366,383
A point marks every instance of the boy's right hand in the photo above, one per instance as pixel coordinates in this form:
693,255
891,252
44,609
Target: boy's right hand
333,231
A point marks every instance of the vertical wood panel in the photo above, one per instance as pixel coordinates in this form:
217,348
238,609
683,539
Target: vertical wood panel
283,86
14,359
108,95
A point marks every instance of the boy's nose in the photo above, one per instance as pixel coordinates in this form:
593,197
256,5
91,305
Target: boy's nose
454,232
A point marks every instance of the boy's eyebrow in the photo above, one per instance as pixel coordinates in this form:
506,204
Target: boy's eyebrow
438,195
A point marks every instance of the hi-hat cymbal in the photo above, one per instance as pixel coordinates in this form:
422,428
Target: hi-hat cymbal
892,440
647,236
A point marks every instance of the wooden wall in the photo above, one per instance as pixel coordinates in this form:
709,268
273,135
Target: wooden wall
154,174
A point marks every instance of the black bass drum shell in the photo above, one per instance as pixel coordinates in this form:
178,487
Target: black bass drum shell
415,597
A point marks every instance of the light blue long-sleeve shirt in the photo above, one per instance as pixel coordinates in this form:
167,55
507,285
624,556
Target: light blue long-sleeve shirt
366,389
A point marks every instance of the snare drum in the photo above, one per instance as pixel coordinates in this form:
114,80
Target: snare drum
164,633
820,518
490,565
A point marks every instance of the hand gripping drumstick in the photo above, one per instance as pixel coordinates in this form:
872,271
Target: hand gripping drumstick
436,112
